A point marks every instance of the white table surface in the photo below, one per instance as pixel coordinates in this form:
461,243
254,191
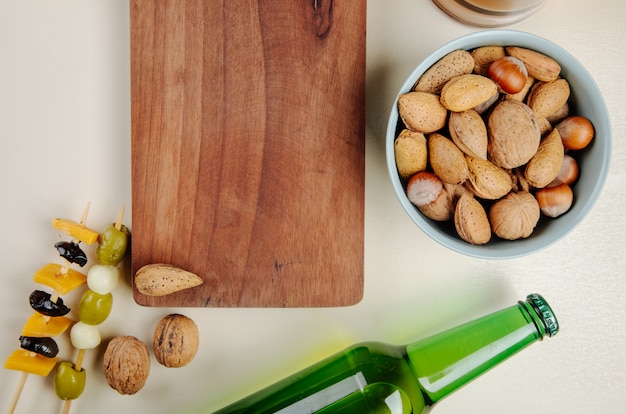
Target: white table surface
65,140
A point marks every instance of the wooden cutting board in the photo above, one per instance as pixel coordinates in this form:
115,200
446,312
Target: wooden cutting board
248,149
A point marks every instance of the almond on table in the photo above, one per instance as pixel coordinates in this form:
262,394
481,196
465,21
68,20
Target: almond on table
161,279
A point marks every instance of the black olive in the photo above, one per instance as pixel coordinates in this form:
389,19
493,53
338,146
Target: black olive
72,252
43,346
41,302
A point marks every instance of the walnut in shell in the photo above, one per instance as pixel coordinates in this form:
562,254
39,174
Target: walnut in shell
175,340
514,216
126,364
514,134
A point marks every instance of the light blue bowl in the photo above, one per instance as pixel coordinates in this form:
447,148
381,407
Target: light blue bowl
586,100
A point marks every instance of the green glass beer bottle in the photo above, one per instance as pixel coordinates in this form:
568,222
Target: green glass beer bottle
381,378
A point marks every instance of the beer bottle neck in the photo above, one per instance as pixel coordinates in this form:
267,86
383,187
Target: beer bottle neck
445,362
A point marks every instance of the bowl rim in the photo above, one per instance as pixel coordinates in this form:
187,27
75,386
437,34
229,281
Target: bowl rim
505,249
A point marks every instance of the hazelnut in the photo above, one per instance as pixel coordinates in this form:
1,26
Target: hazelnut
175,341
555,201
126,364
509,73
576,132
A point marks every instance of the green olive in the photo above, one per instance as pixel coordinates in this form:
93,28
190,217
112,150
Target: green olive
112,245
94,308
69,383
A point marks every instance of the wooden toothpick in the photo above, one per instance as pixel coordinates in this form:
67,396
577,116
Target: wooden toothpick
120,217
18,392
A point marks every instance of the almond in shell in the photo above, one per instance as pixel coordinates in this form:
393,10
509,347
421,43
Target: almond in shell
539,66
471,221
467,91
560,114
544,166
487,180
469,132
446,159
455,63
487,105
484,56
161,279
410,152
546,98
422,111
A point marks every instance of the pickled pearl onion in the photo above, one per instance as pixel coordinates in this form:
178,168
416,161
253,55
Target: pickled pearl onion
102,279
85,336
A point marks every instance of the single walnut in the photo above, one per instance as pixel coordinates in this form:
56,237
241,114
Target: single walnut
514,134
514,216
126,364
175,341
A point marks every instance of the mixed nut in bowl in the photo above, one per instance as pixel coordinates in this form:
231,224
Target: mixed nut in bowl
498,144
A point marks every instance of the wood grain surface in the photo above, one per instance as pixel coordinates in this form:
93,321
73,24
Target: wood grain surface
248,149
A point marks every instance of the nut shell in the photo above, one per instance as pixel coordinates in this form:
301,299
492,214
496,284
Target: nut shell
126,364
467,91
514,134
411,153
539,66
546,98
514,216
487,180
545,165
484,55
471,221
509,73
576,132
446,159
422,111
175,341
469,132
442,209
555,201
160,279
455,63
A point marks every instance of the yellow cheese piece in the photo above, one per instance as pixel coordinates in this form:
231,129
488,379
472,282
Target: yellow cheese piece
52,275
76,230
26,361
41,326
